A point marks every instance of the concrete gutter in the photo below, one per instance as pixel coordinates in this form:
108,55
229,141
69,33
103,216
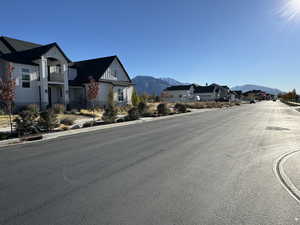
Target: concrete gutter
49,136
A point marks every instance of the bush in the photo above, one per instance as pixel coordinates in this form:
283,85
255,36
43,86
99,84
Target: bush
2,112
133,114
120,120
110,114
58,108
64,127
26,123
163,109
142,108
48,120
67,121
180,108
147,114
89,124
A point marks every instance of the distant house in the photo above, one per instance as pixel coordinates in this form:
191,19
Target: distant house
46,76
179,93
194,92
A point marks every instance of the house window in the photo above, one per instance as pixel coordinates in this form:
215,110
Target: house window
55,69
120,95
25,78
115,73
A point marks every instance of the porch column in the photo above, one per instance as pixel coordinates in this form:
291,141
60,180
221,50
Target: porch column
44,82
66,84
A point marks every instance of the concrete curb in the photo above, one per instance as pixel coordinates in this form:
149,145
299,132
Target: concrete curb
49,136
283,178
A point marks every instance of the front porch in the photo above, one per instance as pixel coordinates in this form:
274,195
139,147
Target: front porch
55,94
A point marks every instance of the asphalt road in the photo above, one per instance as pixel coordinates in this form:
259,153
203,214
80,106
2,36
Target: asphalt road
208,168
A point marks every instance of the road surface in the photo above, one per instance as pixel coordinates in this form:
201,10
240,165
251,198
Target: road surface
208,168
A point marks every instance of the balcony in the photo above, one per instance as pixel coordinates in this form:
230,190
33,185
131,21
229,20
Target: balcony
56,77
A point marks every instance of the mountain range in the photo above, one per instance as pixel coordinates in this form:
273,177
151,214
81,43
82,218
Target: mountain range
250,87
151,85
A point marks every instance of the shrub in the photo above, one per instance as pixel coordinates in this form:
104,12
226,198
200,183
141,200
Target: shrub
26,123
180,108
64,127
163,109
67,121
147,114
120,120
135,98
110,114
133,114
58,108
2,112
89,124
142,108
48,120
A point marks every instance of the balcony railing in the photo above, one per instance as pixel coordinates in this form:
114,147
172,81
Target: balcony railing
56,77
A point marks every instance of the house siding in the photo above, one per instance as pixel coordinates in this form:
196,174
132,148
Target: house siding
109,73
30,95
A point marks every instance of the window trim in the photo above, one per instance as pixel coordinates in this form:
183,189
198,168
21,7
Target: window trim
27,81
121,95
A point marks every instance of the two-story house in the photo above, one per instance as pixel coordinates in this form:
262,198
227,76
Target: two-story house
45,75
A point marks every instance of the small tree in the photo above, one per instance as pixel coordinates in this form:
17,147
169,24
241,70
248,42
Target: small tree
7,90
48,120
135,98
26,122
93,90
7,87
110,97
111,112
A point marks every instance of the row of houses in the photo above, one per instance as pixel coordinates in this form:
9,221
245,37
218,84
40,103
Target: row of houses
45,75
194,92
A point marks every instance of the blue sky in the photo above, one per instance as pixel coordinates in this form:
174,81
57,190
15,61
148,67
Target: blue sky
229,42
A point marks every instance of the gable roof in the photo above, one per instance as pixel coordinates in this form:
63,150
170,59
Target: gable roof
180,87
28,56
95,68
204,89
10,45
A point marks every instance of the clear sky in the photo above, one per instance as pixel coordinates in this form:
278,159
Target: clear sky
229,42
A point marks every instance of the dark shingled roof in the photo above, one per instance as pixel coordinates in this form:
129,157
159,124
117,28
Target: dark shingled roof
28,56
93,67
10,45
204,89
179,88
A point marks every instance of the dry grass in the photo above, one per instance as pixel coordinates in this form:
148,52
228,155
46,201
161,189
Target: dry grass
208,105
4,120
91,113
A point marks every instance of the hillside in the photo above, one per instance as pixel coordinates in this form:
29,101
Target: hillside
249,87
151,85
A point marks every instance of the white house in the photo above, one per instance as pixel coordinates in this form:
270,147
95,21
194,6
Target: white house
45,75
194,92
110,74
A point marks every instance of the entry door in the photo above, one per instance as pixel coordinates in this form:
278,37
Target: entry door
49,96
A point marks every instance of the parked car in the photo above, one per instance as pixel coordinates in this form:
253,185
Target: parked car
252,102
